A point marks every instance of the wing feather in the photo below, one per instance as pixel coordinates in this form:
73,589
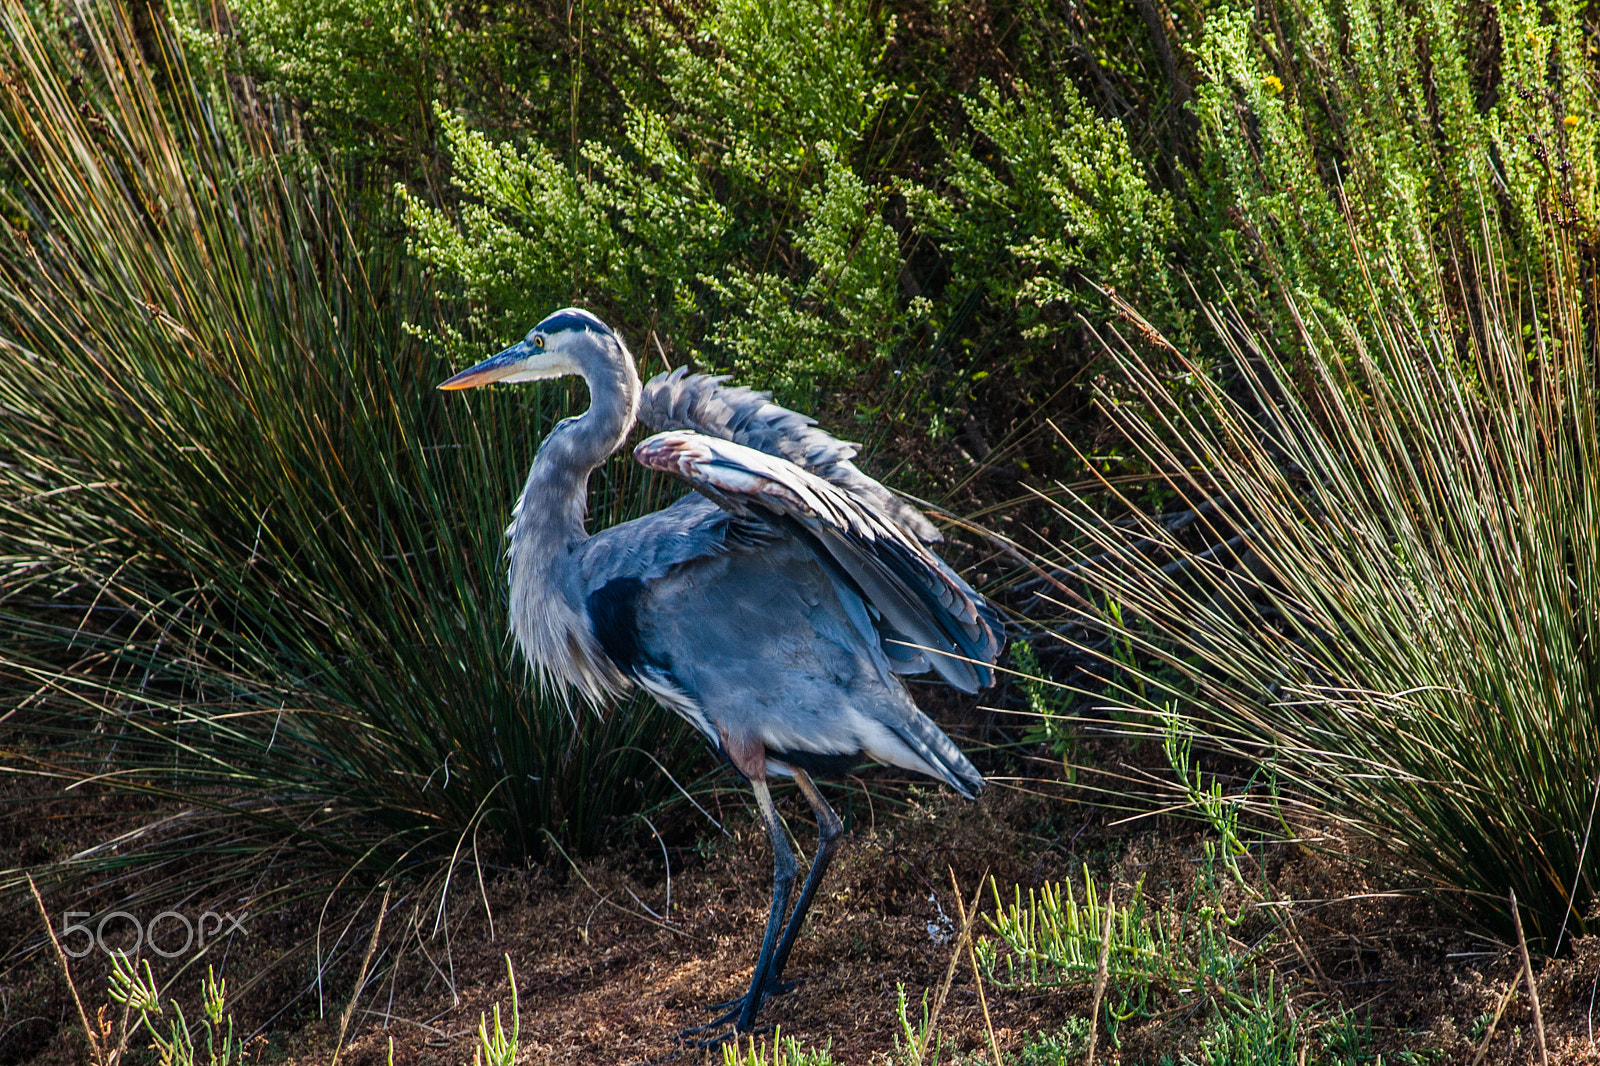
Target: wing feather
921,601
702,403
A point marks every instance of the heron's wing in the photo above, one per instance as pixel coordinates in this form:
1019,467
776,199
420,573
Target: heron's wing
652,546
918,597
701,403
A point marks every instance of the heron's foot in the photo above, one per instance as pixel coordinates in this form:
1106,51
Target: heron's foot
691,1037
769,990
733,1008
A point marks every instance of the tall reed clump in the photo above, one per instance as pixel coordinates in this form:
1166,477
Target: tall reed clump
250,560
1395,605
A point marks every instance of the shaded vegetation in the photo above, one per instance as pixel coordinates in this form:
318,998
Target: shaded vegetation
1391,611
1328,269
250,564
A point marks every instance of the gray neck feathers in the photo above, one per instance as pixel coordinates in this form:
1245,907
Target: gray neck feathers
556,497
548,612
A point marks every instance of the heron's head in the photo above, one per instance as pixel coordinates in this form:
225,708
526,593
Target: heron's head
570,341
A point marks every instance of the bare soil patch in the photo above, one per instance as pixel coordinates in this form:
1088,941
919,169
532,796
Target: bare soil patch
607,972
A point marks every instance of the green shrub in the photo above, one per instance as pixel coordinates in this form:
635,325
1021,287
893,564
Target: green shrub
365,61
728,171
1371,121
1393,419
1044,193
363,76
728,217
1312,125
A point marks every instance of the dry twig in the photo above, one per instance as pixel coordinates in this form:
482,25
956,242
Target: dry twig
361,977
1533,986
1100,976
972,957
1505,1000
61,957
950,971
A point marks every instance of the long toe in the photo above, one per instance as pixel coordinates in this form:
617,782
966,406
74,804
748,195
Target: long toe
708,1042
768,991
727,1021
719,1021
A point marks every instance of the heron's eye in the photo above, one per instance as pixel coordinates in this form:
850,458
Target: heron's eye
538,342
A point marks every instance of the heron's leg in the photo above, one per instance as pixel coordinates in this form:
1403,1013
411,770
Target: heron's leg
829,831
783,871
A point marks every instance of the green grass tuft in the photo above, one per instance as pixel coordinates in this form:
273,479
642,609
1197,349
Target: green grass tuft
1395,604
251,562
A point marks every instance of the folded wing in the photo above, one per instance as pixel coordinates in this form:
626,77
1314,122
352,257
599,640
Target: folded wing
925,608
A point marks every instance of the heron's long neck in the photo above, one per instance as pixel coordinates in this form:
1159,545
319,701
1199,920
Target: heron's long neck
548,611
556,497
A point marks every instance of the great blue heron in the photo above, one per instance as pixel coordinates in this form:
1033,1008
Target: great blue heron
774,608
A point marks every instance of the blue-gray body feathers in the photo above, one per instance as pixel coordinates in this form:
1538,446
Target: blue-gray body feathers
745,633
775,609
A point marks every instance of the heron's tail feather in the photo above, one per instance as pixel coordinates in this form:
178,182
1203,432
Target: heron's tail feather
944,759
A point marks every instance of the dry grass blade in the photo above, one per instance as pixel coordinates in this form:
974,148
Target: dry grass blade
962,941
89,1033
1494,1021
972,960
1533,985
1100,978
361,975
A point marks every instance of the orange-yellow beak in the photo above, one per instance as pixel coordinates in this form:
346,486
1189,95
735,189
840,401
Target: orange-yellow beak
500,367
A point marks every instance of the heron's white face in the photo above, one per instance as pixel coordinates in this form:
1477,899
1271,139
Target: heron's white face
540,355
544,352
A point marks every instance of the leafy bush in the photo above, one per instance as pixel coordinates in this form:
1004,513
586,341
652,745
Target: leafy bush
1310,122
363,75
1400,130
729,219
367,61
732,187
1057,195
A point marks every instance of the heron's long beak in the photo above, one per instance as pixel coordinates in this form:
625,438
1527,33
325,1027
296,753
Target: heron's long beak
520,362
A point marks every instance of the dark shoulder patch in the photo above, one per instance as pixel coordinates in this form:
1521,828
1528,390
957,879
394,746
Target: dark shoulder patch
613,614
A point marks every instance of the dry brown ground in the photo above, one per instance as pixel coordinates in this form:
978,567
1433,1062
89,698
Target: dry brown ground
601,981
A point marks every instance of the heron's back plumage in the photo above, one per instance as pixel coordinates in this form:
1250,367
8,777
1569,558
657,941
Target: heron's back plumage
930,617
